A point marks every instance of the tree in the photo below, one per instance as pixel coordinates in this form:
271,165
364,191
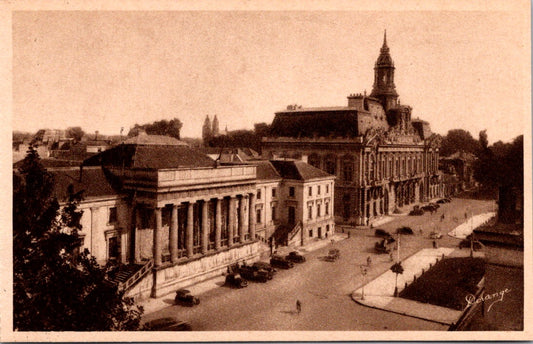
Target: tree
169,128
76,133
397,268
57,288
458,140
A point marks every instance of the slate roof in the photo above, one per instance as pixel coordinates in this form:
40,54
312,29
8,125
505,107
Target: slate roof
52,163
329,122
298,170
93,181
265,170
151,156
158,140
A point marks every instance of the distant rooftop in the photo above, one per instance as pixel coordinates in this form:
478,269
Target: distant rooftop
298,170
159,140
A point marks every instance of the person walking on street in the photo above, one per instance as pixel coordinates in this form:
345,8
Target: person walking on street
368,261
298,307
390,256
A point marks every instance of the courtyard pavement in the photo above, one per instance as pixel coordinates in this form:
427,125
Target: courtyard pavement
464,229
151,305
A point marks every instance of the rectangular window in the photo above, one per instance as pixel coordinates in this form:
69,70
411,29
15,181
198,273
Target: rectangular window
327,188
258,216
310,191
318,210
310,212
258,193
291,191
318,190
273,192
326,208
112,215
273,213
310,233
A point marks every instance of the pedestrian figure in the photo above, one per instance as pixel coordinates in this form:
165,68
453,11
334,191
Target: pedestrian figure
349,235
298,307
421,232
368,261
466,215
442,217
434,244
390,256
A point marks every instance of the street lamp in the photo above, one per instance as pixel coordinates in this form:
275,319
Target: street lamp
364,271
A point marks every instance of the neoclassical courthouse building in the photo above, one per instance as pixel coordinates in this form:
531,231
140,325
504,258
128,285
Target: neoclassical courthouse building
383,159
173,216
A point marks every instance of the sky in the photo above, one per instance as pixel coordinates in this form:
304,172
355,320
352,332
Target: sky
107,70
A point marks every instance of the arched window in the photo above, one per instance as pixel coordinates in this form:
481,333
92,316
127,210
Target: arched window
330,164
347,168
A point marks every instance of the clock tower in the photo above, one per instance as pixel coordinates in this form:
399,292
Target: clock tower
384,88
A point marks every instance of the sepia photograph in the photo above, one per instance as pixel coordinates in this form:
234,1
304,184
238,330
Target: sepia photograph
263,172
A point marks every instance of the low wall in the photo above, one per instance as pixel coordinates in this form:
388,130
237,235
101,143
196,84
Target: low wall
167,279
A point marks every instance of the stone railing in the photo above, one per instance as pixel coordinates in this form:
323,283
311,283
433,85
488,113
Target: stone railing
136,277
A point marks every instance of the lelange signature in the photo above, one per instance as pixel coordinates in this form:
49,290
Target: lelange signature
495,297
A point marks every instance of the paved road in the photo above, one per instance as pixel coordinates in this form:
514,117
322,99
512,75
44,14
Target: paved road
324,288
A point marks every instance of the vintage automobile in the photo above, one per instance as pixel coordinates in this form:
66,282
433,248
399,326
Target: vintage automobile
404,230
417,211
185,298
333,255
265,266
435,235
252,273
235,280
281,262
444,200
167,324
295,257
383,247
381,233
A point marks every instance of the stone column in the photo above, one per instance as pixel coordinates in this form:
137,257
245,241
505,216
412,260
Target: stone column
157,237
242,218
218,222
173,242
205,227
251,214
190,228
94,228
231,221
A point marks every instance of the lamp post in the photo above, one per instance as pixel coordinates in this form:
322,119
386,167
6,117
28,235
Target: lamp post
363,272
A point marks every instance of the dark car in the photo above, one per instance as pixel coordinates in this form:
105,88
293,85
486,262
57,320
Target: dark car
265,266
185,298
404,230
281,262
333,255
235,280
254,274
381,233
382,247
295,257
167,324
417,211
476,244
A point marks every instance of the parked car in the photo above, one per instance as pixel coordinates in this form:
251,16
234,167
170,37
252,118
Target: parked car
383,247
281,262
466,244
333,255
235,280
254,274
435,235
295,257
444,200
382,233
185,298
404,230
265,266
167,324
417,211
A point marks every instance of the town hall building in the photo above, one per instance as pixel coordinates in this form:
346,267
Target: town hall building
382,157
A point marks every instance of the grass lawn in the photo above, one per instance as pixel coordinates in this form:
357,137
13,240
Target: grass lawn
447,283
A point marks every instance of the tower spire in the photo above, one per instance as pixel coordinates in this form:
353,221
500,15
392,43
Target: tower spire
384,88
385,39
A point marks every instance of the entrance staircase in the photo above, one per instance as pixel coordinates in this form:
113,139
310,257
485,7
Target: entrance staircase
128,275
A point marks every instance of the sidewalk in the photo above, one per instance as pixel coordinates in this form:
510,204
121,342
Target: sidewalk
153,305
464,229
379,293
